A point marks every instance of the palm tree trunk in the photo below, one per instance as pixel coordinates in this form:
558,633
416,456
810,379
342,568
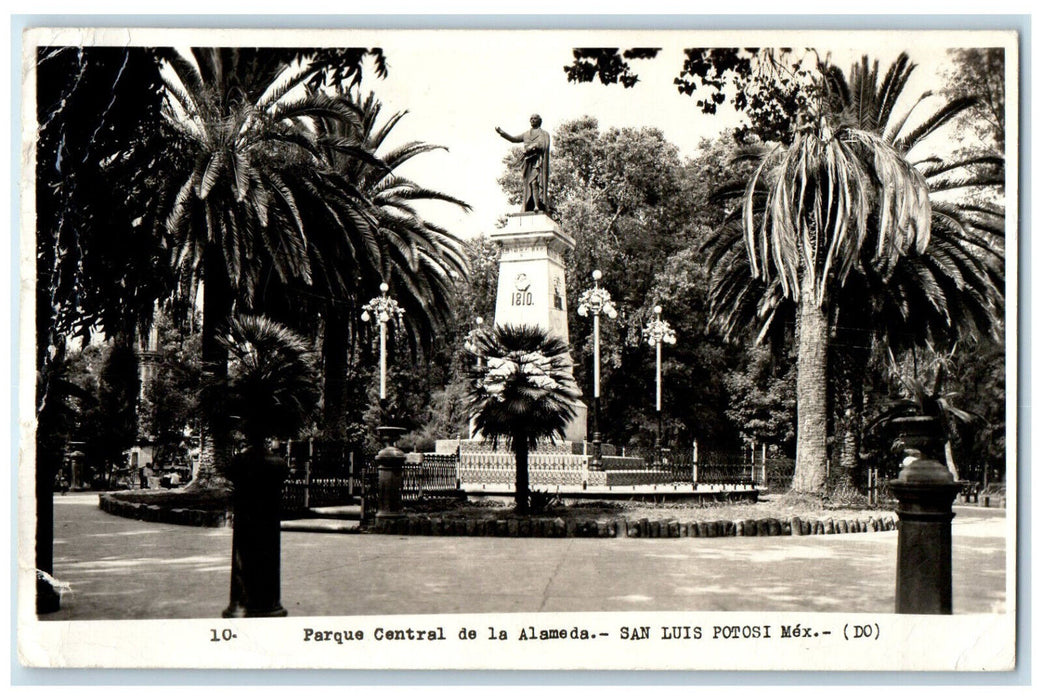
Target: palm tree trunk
521,492
215,448
811,394
848,408
335,348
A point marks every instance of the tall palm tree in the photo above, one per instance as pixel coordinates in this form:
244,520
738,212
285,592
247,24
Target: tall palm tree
249,148
949,289
422,262
524,393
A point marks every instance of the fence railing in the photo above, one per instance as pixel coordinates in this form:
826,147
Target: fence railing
300,495
719,469
437,476
322,473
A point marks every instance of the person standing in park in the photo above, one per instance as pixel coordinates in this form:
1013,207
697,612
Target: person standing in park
535,165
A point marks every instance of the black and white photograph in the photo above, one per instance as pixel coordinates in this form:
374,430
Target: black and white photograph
519,349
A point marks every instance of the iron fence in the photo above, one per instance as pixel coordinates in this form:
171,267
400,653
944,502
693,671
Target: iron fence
719,469
370,491
322,473
437,476
300,495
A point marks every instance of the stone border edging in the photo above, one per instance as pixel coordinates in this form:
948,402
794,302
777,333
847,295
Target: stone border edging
159,514
621,527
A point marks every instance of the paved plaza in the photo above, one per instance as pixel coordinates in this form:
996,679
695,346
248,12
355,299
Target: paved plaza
128,569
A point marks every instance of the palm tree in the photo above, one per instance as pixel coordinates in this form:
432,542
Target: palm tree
950,289
270,391
813,228
271,386
524,393
248,149
422,262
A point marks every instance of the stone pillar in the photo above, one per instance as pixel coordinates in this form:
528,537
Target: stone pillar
256,578
390,462
925,491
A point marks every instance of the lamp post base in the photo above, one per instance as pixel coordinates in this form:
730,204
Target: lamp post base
924,547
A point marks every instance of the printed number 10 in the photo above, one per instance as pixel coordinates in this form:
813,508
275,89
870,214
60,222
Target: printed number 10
225,635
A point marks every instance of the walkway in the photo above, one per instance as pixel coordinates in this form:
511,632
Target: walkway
126,569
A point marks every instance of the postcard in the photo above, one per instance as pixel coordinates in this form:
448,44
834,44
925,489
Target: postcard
518,349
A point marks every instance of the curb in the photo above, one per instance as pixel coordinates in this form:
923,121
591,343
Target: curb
623,527
157,514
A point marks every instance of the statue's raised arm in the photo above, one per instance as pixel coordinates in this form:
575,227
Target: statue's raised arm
535,166
508,137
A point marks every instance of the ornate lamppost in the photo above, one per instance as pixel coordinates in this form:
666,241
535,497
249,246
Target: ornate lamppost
658,332
471,346
383,309
596,301
390,460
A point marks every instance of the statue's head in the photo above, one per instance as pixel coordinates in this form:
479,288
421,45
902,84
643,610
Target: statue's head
536,121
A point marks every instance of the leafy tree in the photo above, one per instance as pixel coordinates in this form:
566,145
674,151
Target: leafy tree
99,264
524,393
696,396
763,402
608,65
977,375
119,387
171,402
770,86
981,74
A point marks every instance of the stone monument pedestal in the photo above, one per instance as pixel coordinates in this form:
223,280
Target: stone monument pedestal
531,287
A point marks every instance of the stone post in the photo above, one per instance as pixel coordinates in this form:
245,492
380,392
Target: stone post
390,463
257,476
925,491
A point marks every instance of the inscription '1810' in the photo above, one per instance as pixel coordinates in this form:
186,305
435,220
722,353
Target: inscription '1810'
521,299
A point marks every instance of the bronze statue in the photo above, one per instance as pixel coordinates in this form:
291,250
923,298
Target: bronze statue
535,165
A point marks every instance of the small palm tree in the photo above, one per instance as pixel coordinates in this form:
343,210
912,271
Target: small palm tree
524,393
271,391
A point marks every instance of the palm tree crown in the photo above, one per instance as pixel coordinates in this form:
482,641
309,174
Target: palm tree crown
246,163
421,261
525,391
819,194
271,390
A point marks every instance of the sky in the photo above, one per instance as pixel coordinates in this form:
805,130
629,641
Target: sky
458,86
